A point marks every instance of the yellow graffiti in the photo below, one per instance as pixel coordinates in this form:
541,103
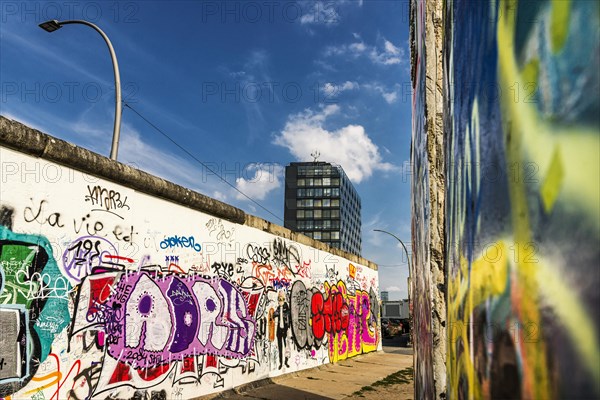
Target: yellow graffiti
528,136
488,277
569,164
559,23
532,138
360,337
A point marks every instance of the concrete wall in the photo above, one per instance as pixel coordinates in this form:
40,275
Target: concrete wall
522,217
117,283
428,201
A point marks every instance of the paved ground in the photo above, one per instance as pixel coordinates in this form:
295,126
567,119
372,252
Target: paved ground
383,375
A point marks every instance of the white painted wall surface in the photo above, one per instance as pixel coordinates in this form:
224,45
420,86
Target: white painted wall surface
143,297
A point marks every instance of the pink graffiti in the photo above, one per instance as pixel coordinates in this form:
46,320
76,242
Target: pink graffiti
150,319
360,336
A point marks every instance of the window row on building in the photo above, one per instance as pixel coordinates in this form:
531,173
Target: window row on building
325,236
317,214
325,192
318,203
319,182
317,170
324,224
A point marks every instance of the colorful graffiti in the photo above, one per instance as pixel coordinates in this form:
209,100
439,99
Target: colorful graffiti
33,306
91,309
348,320
421,213
522,218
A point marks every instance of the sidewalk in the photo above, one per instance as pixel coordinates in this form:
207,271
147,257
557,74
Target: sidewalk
361,377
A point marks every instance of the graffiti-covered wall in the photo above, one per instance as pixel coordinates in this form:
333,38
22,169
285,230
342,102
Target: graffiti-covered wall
428,201
108,291
522,163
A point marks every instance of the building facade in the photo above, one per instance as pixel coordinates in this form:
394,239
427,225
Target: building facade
322,203
395,309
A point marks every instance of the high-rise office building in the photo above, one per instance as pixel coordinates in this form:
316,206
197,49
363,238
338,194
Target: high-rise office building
321,202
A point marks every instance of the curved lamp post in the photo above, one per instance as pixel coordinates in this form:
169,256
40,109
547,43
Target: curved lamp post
53,25
408,258
401,242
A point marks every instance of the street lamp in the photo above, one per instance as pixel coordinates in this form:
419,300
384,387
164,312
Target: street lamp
53,25
401,242
408,258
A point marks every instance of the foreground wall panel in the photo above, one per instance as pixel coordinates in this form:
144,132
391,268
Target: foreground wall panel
521,168
428,201
523,220
108,291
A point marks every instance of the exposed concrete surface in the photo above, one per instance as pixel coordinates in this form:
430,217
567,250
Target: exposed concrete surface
333,381
433,260
436,154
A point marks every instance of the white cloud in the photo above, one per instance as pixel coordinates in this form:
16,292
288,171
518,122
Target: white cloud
330,89
390,48
218,195
266,178
392,289
353,49
349,146
333,89
389,56
319,12
390,95
253,71
386,54
357,48
324,12
349,85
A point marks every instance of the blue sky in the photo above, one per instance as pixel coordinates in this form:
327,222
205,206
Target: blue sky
244,86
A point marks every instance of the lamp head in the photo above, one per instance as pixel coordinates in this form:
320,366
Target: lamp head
50,26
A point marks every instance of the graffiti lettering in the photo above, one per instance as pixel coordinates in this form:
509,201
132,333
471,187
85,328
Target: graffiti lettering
258,254
329,315
168,318
39,216
32,314
300,307
217,230
40,286
105,198
223,269
280,283
361,333
85,253
180,241
284,255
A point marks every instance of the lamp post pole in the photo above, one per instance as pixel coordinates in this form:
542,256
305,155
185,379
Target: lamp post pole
401,242
51,26
409,264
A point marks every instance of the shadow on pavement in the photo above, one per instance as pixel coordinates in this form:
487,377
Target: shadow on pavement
274,392
397,344
396,341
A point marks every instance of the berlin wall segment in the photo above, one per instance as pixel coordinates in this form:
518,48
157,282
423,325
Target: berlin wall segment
111,290
521,220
